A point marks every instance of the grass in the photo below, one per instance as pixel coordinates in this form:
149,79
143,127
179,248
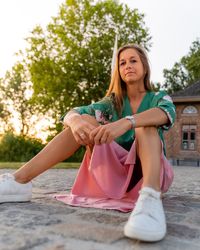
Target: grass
62,165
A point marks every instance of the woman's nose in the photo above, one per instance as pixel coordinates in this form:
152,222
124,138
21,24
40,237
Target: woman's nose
128,65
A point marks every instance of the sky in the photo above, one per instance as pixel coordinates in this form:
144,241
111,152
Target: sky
173,25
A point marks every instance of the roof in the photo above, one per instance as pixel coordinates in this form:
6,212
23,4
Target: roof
189,94
191,90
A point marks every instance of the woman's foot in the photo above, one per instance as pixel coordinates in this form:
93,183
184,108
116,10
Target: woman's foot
13,191
147,220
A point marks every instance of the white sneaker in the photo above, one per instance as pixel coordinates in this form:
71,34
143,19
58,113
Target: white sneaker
147,220
12,191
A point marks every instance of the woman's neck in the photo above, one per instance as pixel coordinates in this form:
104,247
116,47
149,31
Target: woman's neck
135,90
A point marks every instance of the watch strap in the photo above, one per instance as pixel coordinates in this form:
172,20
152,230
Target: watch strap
131,119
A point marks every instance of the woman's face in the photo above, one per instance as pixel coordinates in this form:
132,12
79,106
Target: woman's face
130,66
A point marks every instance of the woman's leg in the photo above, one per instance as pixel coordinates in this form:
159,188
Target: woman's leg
57,150
147,220
149,150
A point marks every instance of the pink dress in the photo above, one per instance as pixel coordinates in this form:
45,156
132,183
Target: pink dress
104,176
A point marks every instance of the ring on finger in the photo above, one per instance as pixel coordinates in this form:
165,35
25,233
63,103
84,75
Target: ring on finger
82,135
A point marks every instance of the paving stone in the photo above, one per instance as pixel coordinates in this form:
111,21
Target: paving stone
174,217
169,243
183,231
88,231
102,218
193,219
46,224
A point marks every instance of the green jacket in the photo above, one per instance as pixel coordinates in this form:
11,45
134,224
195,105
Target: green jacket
104,111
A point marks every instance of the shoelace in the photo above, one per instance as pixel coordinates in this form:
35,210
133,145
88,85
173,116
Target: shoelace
148,210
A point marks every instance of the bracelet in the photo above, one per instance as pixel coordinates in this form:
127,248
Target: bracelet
132,120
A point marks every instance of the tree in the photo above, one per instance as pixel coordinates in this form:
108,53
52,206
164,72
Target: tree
4,115
18,148
70,61
185,72
16,93
192,62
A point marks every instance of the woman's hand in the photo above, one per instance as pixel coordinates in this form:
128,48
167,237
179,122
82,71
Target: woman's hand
80,128
107,133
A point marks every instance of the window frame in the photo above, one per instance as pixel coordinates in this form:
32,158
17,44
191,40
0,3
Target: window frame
189,144
189,113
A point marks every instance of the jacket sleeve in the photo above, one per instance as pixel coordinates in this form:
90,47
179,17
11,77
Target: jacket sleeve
101,110
163,101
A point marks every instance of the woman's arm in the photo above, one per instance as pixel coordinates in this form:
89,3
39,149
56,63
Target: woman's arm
109,132
70,118
79,127
151,117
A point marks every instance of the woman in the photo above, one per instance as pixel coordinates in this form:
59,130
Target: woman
125,165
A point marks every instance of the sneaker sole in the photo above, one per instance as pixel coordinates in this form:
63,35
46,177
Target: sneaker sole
138,234
14,198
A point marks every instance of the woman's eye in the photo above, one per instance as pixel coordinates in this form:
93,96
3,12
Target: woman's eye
133,61
122,63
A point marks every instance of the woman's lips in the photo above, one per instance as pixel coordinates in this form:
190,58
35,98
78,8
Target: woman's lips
129,73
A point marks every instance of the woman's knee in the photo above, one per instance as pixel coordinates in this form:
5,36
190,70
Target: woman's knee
90,119
142,132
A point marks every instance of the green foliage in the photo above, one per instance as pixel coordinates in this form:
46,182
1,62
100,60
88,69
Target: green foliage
4,112
176,79
77,156
18,148
192,62
70,62
15,90
62,165
185,72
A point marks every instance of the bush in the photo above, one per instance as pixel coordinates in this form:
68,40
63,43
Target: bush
18,148
77,156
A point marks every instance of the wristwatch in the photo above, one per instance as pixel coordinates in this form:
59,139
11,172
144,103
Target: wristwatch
131,119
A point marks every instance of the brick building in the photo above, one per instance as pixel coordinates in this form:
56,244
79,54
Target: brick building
183,140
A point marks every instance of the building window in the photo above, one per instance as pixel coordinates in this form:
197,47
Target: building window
189,137
190,110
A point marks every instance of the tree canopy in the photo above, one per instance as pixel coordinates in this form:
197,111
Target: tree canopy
15,99
68,63
184,72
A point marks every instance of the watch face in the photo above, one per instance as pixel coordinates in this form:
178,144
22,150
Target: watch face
129,117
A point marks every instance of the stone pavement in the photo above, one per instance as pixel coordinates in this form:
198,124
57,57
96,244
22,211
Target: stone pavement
46,224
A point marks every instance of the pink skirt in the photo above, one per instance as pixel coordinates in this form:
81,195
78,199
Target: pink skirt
104,176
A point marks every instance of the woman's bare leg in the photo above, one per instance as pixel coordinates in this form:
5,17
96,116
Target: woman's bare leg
57,150
149,151
60,148
142,225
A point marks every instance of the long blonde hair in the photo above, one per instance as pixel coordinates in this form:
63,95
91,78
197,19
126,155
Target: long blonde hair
117,85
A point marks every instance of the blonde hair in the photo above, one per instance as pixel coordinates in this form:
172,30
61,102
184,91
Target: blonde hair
117,86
